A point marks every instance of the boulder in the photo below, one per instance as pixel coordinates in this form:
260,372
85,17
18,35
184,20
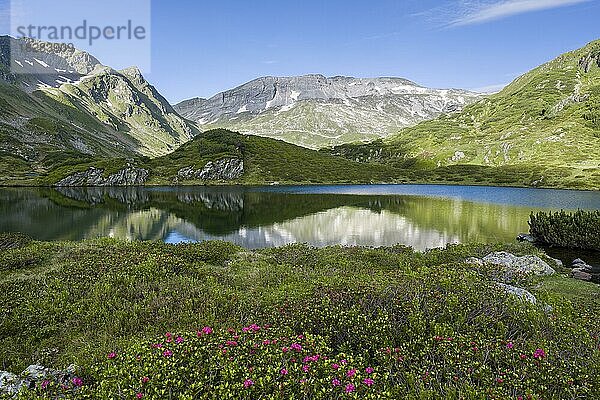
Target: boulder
9,383
515,266
524,237
520,293
581,274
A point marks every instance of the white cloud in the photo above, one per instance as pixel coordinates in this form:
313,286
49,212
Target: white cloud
478,13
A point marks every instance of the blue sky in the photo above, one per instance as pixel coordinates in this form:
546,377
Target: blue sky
202,47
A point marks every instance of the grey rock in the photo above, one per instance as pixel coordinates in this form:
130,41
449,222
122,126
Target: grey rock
379,106
128,176
515,266
9,383
225,169
524,237
12,384
521,293
579,273
578,261
558,262
474,261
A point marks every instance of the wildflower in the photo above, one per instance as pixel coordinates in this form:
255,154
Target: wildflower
350,388
45,384
139,395
207,330
368,381
335,382
499,380
351,373
539,354
157,345
112,355
179,340
510,345
305,368
296,346
167,353
523,356
77,382
145,379
266,342
369,370
169,336
343,362
284,371
231,343
248,383
335,366
284,349
302,381
251,328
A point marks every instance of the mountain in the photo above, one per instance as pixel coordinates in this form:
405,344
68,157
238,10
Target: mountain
315,111
546,121
61,105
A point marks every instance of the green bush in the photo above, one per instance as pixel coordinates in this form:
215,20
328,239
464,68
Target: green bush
579,230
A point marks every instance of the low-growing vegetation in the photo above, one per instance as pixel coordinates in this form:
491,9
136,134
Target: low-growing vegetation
577,230
212,320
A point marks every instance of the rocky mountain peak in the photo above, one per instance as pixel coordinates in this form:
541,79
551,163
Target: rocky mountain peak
303,109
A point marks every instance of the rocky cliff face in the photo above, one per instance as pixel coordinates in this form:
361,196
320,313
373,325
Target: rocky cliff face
66,100
128,176
225,169
313,110
31,64
125,102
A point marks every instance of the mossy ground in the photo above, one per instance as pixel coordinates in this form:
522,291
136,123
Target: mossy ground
65,302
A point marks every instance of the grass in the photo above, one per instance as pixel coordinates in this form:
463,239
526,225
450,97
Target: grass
544,126
76,302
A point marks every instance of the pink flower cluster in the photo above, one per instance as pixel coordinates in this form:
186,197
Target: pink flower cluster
539,354
251,328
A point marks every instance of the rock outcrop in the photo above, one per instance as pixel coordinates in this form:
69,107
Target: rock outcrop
519,292
225,169
584,272
128,176
11,384
514,266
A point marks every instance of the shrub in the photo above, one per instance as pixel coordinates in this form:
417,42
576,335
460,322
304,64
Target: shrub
579,230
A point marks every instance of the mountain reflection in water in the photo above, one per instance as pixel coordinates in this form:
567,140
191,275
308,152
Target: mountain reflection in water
255,217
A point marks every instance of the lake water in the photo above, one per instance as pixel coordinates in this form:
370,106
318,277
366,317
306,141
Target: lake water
422,216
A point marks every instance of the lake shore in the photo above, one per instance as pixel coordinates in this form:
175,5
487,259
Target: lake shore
76,302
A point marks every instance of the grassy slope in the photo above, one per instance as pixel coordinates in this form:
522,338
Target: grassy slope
267,160
66,302
544,126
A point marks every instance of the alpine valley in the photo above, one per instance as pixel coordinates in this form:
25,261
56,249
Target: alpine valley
68,120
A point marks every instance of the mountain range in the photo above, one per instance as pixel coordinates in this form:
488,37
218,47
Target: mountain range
66,119
547,120
58,103
314,111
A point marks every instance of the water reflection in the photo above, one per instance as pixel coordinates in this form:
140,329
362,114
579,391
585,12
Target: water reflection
263,217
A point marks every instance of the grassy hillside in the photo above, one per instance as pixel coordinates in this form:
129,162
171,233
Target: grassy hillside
544,124
268,160
450,330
